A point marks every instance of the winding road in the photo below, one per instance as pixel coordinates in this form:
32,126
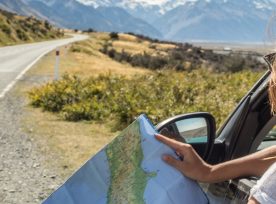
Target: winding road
16,60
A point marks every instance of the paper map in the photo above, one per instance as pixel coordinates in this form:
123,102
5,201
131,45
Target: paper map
129,170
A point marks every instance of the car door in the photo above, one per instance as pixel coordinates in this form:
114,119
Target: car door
245,131
250,128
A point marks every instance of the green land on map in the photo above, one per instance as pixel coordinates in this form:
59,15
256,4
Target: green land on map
128,180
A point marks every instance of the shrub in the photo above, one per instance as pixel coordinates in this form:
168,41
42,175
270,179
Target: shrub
47,25
192,57
6,29
114,36
21,35
159,95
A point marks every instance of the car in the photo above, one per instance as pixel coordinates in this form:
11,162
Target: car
249,128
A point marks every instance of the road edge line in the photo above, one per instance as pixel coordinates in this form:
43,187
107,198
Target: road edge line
21,74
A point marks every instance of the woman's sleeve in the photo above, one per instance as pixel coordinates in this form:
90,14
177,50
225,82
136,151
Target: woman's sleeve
265,189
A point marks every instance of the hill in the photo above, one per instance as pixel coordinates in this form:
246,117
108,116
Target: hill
112,102
199,80
74,15
201,20
16,29
176,20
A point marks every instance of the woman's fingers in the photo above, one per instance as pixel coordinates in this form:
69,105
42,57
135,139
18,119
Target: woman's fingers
178,146
173,162
170,142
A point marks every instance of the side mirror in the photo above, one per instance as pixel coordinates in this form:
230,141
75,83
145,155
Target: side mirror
197,129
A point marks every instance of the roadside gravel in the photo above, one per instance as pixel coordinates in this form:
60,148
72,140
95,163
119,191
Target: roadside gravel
24,175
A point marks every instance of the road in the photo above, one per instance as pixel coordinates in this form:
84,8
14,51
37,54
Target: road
16,60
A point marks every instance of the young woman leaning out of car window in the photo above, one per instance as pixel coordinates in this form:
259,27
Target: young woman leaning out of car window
261,163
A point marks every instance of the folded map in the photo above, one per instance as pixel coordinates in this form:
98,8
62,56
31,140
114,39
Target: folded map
129,170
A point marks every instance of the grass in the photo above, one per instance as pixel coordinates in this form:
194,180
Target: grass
70,143
74,143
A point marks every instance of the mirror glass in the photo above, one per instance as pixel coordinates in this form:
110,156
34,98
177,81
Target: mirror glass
189,130
192,130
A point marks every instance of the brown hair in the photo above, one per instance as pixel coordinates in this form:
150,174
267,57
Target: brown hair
272,87
271,60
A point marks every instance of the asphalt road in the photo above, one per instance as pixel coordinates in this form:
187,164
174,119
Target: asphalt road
16,60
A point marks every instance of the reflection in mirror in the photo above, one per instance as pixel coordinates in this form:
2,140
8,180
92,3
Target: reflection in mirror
193,130
171,132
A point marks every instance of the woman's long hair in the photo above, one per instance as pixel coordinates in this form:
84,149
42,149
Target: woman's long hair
272,88
271,37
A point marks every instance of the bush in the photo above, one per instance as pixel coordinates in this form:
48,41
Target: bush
47,25
6,29
21,35
186,54
90,30
114,36
160,95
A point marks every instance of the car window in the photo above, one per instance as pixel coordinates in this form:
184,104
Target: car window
269,140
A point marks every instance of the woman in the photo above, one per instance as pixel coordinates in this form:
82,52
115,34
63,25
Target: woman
262,163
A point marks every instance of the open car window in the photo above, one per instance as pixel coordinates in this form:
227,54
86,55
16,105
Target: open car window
269,140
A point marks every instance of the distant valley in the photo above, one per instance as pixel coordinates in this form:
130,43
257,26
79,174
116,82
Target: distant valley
174,20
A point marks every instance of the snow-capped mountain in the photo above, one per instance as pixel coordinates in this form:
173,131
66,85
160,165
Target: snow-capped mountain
166,5
181,20
72,14
218,20
148,10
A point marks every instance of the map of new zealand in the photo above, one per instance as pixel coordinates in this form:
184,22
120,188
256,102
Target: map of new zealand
129,170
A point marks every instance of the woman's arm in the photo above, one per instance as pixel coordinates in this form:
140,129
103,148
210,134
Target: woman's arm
252,201
194,167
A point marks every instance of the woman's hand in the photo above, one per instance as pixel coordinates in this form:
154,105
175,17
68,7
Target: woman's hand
192,165
195,168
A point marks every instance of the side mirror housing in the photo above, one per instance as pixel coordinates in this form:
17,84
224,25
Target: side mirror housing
197,129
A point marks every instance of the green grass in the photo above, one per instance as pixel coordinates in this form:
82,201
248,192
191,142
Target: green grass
160,95
122,92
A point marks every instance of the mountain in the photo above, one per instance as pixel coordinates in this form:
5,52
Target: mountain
20,7
235,20
75,15
121,20
147,10
186,20
176,20
70,14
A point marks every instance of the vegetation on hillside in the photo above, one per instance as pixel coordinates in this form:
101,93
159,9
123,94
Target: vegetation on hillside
183,56
160,94
19,29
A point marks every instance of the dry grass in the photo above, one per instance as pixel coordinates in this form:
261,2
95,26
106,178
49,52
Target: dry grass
132,47
163,46
71,144
84,65
132,44
127,37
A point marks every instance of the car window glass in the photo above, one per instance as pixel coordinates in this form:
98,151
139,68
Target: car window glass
269,139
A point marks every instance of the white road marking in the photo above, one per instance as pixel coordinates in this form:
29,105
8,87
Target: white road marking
10,85
7,54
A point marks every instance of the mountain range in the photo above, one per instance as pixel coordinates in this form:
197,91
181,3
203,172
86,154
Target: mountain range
176,20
